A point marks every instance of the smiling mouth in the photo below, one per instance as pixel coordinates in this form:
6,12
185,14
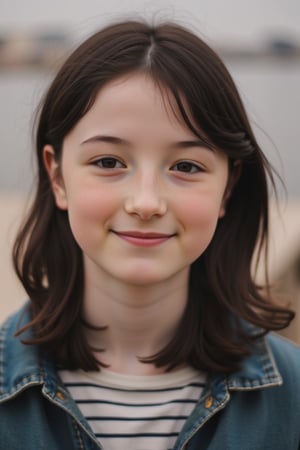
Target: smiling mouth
143,239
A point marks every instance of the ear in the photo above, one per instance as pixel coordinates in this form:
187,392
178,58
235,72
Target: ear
53,169
234,175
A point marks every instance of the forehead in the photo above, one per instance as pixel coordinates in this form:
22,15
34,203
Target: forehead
136,86
140,92
135,101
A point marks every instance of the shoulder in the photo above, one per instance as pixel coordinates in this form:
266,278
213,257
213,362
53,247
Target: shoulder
287,357
286,352
11,347
16,320
8,328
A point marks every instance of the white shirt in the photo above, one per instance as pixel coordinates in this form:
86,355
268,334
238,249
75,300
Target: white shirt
135,412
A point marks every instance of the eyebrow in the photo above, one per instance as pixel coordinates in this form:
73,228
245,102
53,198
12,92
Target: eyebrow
193,143
176,145
107,139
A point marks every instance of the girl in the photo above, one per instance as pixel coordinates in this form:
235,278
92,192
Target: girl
144,329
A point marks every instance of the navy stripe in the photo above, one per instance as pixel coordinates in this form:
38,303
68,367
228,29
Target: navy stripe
136,419
99,386
150,435
106,402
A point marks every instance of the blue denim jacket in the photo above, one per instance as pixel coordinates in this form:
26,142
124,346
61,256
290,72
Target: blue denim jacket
257,408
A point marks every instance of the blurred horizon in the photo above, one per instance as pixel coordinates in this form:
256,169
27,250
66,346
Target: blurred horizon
217,20
259,44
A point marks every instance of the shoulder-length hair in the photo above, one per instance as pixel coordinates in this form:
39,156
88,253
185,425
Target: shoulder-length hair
222,294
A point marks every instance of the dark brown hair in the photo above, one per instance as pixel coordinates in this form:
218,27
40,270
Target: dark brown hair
223,298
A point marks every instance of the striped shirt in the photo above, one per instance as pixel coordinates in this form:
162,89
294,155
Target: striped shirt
135,412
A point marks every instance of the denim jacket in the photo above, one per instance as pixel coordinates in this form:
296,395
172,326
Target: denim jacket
257,408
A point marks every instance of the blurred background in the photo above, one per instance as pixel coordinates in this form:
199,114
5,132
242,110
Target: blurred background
260,43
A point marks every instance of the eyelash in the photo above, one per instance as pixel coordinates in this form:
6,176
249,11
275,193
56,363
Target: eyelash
186,166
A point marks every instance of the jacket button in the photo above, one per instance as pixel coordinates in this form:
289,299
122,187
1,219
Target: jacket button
60,395
208,402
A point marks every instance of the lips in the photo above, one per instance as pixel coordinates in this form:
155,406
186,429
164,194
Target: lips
143,239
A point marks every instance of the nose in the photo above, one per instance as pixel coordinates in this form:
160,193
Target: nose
146,198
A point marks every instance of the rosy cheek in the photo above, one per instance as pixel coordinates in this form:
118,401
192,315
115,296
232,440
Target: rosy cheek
88,211
200,210
93,202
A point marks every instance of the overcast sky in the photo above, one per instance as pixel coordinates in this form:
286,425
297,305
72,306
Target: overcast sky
240,20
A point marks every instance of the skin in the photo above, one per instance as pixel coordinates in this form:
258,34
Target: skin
143,197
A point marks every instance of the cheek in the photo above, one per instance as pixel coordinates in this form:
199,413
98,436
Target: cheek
200,211
199,218
89,213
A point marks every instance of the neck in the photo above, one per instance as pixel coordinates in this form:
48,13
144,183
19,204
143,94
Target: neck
139,320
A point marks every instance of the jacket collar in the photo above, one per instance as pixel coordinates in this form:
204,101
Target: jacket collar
259,370
21,365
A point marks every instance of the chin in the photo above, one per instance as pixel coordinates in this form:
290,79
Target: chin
143,278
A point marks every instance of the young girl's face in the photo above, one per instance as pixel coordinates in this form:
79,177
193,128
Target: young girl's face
142,193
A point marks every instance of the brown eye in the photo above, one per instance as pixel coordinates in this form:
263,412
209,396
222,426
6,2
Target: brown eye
109,163
187,167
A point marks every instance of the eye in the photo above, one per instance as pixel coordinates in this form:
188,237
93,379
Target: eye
108,162
187,167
